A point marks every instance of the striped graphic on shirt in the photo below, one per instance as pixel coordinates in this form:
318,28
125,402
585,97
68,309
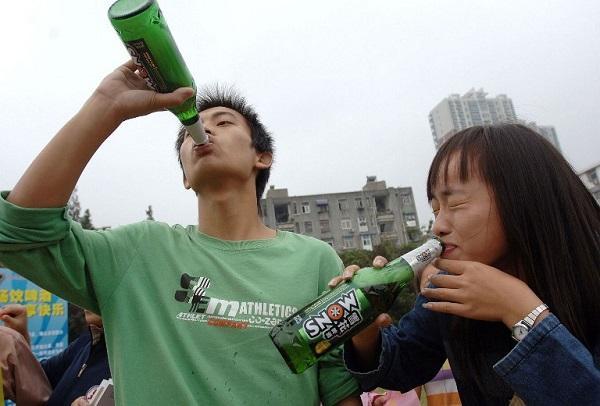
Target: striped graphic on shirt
194,293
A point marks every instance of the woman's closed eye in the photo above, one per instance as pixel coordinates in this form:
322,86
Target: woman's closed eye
224,123
456,205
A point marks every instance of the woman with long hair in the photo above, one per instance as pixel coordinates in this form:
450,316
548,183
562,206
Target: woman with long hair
516,304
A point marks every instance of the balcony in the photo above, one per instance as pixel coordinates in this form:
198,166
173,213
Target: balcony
388,235
286,227
385,216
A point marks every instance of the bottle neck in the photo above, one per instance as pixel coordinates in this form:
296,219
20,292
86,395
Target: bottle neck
421,256
402,269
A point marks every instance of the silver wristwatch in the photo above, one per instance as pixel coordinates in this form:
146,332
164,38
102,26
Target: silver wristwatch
522,327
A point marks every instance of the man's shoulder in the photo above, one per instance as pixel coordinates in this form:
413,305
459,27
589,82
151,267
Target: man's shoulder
150,227
305,240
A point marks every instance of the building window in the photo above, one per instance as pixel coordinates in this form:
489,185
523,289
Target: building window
386,227
297,228
381,204
367,244
362,224
346,224
359,203
281,213
343,204
324,225
411,220
348,242
305,207
308,227
322,205
406,200
294,208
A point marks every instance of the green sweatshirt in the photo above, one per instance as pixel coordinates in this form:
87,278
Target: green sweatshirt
186,316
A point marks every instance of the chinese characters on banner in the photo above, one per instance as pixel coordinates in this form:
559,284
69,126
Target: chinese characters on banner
47,314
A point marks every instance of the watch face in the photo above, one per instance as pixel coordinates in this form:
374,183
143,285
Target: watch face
519,331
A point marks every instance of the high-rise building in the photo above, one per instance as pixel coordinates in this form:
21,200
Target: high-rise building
546,131
591,179
456,113
347,220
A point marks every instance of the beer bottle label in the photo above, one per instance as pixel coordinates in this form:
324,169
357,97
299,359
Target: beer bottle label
331,318
420,257
147,67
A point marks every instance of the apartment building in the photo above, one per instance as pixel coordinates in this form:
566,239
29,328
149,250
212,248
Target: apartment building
347,220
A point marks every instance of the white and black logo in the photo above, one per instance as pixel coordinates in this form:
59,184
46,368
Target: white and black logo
194,293
335,320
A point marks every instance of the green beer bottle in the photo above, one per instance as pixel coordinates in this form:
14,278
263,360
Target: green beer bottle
342,312
145,33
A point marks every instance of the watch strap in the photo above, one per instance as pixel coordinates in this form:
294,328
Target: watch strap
534,314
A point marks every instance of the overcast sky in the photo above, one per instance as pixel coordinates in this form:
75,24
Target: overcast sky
344,86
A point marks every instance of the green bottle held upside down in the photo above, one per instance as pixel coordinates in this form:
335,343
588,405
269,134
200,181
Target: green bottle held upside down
145,33
338,314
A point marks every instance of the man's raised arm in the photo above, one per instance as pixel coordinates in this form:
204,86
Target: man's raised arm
52,176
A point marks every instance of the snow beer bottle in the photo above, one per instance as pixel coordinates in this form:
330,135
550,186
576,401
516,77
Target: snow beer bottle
342,312
144,31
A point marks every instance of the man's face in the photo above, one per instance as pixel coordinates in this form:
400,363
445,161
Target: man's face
229,155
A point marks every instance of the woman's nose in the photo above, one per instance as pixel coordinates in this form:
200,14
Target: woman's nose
440,226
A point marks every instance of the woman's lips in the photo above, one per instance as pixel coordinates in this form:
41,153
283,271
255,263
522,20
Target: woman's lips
448,249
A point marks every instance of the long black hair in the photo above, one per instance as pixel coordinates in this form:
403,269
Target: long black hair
551,222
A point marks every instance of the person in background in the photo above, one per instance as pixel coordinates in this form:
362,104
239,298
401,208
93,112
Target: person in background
23,378
516,310
75,371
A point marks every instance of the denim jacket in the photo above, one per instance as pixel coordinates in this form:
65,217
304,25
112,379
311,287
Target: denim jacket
548,367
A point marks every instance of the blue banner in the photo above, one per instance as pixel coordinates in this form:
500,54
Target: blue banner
47,314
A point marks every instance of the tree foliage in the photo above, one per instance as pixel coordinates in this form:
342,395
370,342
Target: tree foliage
73,206
86,220
363,258
74,210
149,213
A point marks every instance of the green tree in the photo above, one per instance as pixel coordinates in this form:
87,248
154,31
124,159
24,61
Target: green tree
406,298
149,213
362,258
86,220
386,249
73,206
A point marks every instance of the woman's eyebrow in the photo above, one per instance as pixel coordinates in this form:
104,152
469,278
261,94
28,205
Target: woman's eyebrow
450,191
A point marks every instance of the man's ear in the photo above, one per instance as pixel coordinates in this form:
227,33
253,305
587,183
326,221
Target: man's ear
265,159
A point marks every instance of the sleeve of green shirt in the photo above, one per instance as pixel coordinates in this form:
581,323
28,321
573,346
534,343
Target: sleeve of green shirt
335,382
46,247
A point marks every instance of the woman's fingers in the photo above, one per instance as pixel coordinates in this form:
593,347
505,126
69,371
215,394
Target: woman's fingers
443,294
446,281
457,309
